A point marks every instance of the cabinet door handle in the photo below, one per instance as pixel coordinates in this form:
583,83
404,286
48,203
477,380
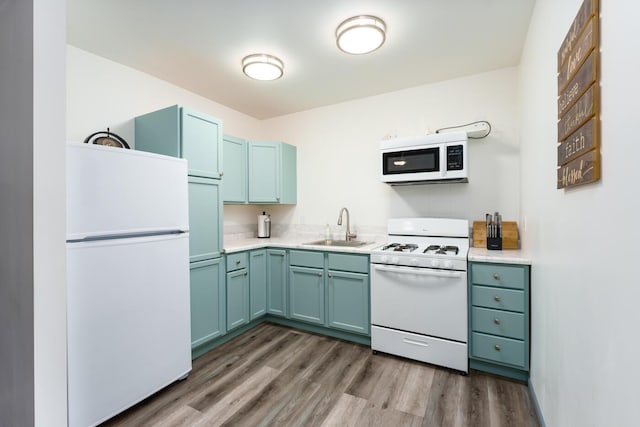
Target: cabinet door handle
330,275
498,348
496,276
497,298
238,262
496,321
319,274
245,273
221,173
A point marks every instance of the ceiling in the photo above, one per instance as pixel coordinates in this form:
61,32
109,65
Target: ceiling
198,45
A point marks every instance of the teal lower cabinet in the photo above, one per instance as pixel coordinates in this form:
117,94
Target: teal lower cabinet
306,294
237,290
499,319
348,301
257,283
277,280
208,301
330,289
321,292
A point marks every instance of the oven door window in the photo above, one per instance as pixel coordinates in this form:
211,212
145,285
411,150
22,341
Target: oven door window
411,161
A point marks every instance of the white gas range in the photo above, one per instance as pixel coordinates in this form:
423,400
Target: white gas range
419,291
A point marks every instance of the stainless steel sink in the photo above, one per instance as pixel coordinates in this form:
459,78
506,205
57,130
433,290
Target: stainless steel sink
344,243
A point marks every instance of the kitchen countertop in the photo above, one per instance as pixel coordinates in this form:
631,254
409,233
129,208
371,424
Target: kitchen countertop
246,244
507,256
514,256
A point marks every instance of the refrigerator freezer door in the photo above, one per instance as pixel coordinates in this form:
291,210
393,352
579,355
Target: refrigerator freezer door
128,322
113,191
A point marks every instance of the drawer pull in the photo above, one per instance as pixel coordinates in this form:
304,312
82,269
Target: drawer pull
496,321
498,348
238,262
497,298
496,276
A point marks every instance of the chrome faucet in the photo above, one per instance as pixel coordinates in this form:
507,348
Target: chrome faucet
348,235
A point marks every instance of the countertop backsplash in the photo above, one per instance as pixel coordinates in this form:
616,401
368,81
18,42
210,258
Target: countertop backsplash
301,232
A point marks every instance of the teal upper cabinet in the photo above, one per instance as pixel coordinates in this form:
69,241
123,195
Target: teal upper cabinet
180,132
235,169
272,173
205,219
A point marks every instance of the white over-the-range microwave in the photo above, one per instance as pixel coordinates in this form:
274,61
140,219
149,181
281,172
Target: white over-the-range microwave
435,158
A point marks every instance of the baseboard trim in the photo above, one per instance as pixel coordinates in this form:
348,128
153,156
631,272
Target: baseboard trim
536,404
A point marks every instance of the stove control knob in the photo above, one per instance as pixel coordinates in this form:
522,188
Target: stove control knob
413,262
384,258
448,264
435,263
395,260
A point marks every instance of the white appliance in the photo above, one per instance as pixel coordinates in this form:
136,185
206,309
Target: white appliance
128,309
436,158
264,225
419,291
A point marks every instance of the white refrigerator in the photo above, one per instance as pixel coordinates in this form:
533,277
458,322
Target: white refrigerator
128,309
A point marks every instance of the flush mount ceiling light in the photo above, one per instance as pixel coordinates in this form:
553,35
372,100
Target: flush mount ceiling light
261,66
361,34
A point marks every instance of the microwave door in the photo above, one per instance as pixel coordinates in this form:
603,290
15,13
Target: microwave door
425,160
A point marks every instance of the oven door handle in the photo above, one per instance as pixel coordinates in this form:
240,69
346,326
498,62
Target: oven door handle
419,271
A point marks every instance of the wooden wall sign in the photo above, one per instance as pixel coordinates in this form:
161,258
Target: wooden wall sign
579,100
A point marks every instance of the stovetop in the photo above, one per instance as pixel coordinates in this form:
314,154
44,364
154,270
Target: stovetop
425,242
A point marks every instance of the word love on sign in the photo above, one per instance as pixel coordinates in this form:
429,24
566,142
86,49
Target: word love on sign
579,100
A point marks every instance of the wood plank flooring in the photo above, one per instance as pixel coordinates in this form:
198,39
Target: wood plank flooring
276,376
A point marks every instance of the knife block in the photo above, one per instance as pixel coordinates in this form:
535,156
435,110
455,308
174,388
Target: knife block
509,235
494,243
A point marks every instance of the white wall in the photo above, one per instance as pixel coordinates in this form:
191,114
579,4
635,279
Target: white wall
49,213
102,93
338,153
585,289
32,250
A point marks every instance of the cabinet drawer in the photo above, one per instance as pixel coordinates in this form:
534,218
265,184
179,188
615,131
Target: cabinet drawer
236,261
499,275
498,322
306,259
502,299
346,262
498,349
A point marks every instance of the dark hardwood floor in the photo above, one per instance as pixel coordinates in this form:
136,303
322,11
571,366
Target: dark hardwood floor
276,376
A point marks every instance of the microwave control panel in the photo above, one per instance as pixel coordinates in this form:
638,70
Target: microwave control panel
455,157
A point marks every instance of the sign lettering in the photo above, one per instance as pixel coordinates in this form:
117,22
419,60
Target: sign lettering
580,82
588,8
584,139
583,109
579,100
582,170
583,48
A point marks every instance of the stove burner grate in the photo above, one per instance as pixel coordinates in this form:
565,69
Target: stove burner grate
441,250
399,247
